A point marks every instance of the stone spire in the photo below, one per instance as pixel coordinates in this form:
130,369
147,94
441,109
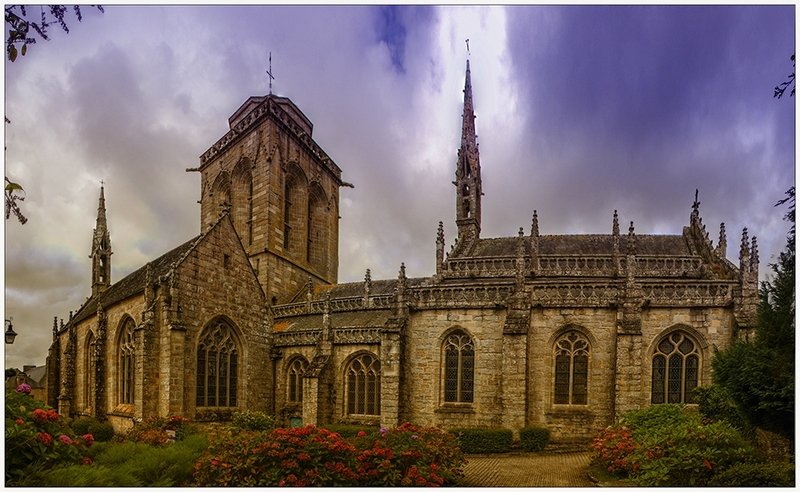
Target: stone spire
468,173
439,248
101,250
722,245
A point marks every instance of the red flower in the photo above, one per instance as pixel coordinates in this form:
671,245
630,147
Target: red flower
86,461
362,434
44,438
40,415
19,422
88,439
52,415
65,439
708,465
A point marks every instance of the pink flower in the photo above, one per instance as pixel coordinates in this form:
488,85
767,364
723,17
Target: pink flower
88,439
86,461
24,388
383,430
65,439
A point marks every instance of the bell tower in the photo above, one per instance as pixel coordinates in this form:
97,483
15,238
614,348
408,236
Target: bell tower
101,250
468,175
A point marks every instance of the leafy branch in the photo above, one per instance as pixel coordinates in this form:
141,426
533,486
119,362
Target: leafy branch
22,30
11,201
780,89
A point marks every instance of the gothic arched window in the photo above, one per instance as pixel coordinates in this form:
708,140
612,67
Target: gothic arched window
217,366
317,232
297,370
127,363
459,368
676,365
572,369
90,369
363,380
242,188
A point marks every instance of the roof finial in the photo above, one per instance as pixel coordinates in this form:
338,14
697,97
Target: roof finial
269,73
467,41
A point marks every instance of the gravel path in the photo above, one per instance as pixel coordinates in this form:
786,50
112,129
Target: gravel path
528,470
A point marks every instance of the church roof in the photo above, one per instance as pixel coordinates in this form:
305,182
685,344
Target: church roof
134,283
355,289
582,244
373,318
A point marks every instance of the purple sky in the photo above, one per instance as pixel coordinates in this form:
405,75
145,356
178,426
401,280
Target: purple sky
580,111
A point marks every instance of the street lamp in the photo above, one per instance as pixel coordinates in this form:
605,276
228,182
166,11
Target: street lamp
10,333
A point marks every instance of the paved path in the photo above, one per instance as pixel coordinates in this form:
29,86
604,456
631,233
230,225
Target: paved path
528,470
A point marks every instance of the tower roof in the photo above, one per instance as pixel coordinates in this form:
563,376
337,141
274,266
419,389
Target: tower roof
469,139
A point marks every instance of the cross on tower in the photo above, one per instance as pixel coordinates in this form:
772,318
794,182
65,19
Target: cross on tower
467,41
269,72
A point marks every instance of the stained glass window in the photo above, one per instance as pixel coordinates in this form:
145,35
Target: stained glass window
572,369
217,366
676,365
127,363
363,379
459,368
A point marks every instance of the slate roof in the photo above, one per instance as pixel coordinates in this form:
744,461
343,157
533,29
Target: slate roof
351,319
354,289
134,283
583,244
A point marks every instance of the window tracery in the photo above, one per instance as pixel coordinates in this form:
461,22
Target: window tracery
571,369
459,368
675,369
363,380
217,366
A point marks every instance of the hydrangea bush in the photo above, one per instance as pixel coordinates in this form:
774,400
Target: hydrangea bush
37,437
158,431
311,456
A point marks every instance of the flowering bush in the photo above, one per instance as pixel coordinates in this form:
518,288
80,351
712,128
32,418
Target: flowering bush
252,420
311,456
664,445
36,436
158,431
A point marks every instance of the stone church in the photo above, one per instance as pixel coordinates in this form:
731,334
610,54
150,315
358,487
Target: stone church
560,331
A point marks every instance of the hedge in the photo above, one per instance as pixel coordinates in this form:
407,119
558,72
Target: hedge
483,441
534,438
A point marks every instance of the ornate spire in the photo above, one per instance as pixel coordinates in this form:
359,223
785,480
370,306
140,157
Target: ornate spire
754,257
722,245
439,248
535,225
468,172
744,253
101,249
615,227
631,241
695,208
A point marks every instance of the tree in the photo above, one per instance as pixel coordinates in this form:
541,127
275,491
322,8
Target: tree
22,30
759,375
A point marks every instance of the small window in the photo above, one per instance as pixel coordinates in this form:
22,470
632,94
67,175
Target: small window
297,370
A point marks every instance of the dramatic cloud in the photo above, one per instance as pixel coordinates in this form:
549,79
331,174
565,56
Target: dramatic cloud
580,111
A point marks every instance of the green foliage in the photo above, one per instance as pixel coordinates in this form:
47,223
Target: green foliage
759,375
715,403
252,420
37,438
311,456
102,431
755,475
664,445
483,441
81,425
132,464
347,431
534,438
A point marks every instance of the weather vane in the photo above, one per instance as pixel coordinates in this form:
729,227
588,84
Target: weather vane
467,40
269,72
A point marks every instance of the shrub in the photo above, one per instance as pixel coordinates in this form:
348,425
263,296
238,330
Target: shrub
252,420
715,403
347,431
158,431
311,456
755,475
37,438
664,445
534,438
483,441
132,465
102,431
81,425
